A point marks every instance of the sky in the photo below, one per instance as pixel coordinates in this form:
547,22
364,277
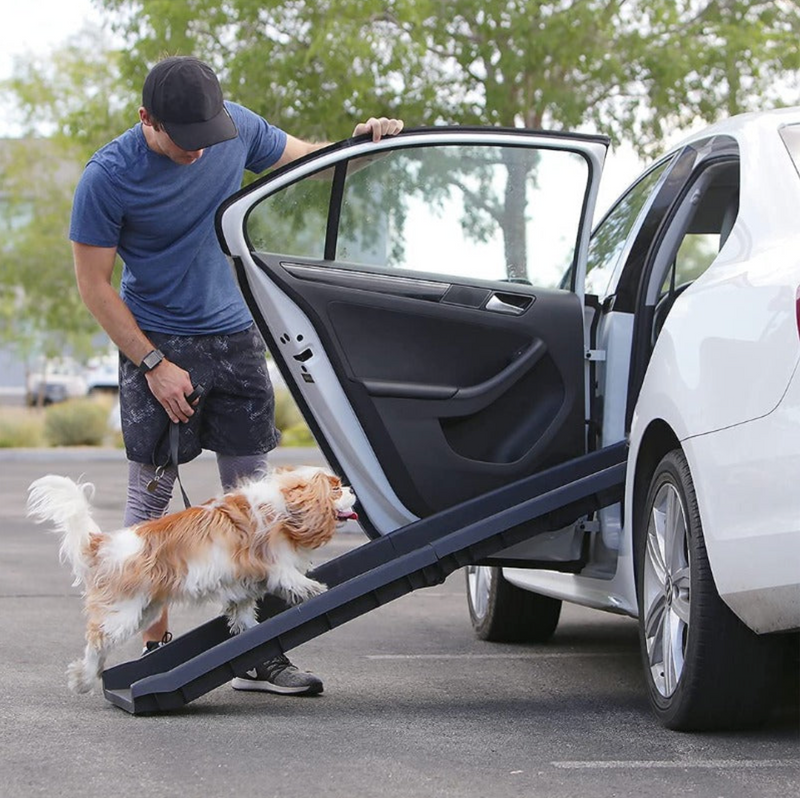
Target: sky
40,26
36,26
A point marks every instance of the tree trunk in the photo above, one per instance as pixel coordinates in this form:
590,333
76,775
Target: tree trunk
515,234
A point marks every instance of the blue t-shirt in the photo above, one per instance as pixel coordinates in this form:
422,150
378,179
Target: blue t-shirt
160,216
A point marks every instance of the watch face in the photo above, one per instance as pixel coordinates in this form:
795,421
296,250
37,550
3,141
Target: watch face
152,359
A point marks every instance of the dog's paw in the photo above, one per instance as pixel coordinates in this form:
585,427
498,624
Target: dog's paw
302,590
239,625
241,616
78,679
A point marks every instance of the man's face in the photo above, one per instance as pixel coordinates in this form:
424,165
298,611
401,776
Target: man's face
159,141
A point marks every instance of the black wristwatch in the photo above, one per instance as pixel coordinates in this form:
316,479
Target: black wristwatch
151,360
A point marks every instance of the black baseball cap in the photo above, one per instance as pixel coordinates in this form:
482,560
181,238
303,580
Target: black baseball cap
183,93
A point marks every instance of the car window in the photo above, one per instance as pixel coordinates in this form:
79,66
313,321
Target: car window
699,228
701,225
486,212
695,254
609,238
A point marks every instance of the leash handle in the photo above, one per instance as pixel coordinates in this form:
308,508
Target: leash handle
195,394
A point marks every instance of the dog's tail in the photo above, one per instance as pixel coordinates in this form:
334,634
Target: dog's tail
66,504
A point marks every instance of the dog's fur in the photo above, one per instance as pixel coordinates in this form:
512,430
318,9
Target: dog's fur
235,548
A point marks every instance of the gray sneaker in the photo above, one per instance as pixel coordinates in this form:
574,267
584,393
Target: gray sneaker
278,675
152,645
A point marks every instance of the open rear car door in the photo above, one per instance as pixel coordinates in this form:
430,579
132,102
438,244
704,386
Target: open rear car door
423,298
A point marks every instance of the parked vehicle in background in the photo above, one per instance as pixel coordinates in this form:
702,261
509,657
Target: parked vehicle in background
448,325
54,380
102,373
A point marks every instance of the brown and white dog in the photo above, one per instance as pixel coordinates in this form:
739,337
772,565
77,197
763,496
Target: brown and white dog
254,540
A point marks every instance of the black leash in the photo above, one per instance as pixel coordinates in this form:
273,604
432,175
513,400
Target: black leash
174,438
174,432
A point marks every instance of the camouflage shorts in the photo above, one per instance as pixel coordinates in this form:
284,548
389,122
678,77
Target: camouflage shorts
235,415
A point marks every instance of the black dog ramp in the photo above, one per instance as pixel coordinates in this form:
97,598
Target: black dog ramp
420,555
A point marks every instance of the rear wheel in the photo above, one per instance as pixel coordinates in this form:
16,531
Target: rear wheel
503,613
704,669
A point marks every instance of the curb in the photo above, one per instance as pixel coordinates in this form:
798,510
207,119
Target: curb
286,454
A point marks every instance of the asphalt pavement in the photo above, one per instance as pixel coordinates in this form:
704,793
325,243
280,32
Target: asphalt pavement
414,704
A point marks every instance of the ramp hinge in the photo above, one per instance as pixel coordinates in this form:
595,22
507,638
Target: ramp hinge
589,526
595,354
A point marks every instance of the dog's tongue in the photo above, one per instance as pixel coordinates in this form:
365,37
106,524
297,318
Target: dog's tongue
347,516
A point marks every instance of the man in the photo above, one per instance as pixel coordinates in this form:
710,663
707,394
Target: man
179,320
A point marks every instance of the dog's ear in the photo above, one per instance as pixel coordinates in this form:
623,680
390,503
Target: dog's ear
310,507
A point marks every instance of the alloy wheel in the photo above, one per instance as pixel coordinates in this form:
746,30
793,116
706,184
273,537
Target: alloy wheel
666,589
479,585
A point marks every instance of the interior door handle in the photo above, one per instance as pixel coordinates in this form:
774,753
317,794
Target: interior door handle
510,304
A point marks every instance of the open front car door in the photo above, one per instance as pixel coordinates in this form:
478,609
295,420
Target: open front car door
423,298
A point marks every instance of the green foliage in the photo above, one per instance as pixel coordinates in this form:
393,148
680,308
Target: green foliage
289,421
73,96
39,304
287,414
21,428
314,68
298,435
77,422
632,68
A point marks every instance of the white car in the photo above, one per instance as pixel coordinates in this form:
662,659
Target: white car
449,325
102,373
54,380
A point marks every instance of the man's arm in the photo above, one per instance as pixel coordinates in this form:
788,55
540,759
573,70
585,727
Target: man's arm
379,127
168,382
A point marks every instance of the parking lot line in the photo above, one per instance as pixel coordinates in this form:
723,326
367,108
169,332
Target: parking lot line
713,764
527,655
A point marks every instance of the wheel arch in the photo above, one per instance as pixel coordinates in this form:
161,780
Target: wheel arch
658,439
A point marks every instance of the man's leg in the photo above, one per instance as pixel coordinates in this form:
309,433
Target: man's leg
234,468
144,430
277,675
239,420
149,498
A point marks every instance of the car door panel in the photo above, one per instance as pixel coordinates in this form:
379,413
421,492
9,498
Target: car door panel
455,399
428,375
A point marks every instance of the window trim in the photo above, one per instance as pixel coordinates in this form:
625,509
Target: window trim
633,232
695,157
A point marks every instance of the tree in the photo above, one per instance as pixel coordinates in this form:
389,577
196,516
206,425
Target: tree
631,68
70,96
634,69
40,311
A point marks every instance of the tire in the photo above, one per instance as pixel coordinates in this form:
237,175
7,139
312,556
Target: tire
704,669
503,613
